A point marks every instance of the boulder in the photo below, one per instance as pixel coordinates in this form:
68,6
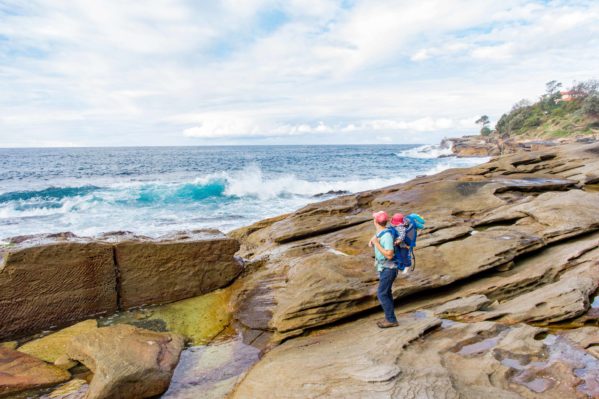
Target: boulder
175,267
20,372
127,362
51,280
53,347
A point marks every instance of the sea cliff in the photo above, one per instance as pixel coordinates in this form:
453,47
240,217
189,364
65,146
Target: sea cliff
500,302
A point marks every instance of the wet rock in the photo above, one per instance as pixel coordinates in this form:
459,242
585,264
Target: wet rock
127,362
212,371
331,192
74,389
48,282
584,337
9,344
173,268
53,347
20,372
197,319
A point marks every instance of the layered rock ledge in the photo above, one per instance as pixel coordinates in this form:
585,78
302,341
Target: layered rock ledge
53,280
483,146
510,247
312,267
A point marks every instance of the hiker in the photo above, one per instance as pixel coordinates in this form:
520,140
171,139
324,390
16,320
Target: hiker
386,267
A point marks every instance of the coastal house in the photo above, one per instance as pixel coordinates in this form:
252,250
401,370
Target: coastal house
567,95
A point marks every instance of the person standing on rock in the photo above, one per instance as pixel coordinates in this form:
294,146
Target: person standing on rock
385,266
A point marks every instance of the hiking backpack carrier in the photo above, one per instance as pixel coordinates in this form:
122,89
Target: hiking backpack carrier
404,252
415,223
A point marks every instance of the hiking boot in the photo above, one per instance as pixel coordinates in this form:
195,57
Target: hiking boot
386,324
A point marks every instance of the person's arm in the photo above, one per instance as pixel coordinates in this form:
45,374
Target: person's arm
401,234
387,253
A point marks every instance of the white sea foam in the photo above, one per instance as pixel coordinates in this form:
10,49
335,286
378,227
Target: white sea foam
427,151
251,181
224,200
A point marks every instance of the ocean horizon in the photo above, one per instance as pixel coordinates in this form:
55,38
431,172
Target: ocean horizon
158,190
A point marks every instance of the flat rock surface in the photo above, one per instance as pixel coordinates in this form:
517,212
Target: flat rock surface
351,361
420,360
20,372
127,362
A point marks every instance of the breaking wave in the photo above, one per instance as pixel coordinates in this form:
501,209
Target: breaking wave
427,152
224,200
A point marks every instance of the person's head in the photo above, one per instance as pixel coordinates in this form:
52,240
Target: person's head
397,219
380,218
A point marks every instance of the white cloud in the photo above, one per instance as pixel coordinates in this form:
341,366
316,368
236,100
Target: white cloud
226,125
175,71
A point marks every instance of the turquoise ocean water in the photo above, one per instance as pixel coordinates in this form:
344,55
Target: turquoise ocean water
158,190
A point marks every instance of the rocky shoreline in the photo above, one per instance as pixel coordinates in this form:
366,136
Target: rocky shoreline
484,146
501,303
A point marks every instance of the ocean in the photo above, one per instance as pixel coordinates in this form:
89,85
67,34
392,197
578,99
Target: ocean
157,190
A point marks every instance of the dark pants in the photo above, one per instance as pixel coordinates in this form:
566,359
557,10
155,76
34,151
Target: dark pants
386,278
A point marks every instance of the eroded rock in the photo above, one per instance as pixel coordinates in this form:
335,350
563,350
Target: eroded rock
48,281
54,281
174,268
565,299
127,362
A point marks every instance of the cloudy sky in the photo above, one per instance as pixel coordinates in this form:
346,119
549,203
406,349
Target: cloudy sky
176,72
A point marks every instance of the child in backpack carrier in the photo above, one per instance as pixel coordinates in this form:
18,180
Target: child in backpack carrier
403,257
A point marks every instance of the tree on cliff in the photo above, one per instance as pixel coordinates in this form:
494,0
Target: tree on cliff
552,87
484,121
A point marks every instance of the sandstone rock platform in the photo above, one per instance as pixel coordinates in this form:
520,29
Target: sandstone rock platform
48,281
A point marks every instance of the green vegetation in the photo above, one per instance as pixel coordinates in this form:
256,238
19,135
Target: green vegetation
557,113
484,121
